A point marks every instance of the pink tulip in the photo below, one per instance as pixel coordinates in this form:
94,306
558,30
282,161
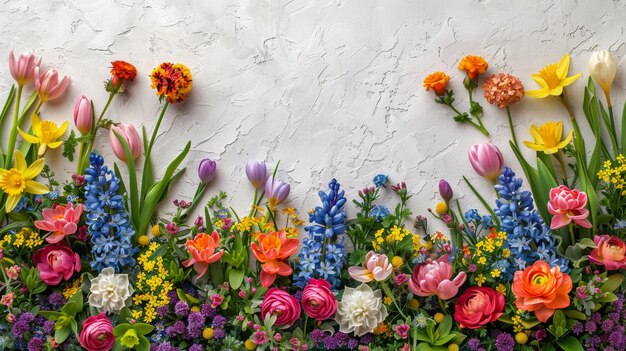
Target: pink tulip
610,252
60,220
568,205
487,160
48,85
129,133
23,68
377,267
56,262
83,115
434,278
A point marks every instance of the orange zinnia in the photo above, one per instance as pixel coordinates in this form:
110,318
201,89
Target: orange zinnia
272,250
436,81
122,70
203,251
541,289
474,65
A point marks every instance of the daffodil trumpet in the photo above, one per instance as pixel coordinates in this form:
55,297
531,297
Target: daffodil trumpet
45,134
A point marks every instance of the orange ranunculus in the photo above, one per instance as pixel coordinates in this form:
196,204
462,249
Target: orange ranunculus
436,81
541,289
474,65
272,250
203,250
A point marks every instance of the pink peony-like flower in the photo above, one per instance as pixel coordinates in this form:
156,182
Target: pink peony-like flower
610,252
13,272
478,306
60,220
403,330
7,299
97,333
56,262
377,267
317,300
567,205
279,303
434,278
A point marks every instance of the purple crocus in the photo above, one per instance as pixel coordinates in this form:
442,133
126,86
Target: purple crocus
257,173
276,192
445,190
206,170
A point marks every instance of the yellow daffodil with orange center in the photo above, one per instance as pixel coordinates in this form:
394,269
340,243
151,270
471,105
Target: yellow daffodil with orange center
553,78
45,133
19,180
548,137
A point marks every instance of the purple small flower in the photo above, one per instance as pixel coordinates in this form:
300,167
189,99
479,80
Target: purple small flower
257,173
196,347
56,299
276,192
473,343
48,327
219,321
35,344
590,327
207,170
578,328
181,309
505,342
607,325
317,335
219,333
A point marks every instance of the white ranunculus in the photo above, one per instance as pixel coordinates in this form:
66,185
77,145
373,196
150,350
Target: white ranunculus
602,66
360,310
109,291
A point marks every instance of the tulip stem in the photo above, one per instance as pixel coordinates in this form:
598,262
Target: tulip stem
613,132
13,134
513,136
559,156
84,152
571,234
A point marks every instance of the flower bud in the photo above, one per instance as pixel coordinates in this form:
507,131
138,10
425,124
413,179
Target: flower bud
487,160
257,173
602,67
129,133
445,190
207,170
83,115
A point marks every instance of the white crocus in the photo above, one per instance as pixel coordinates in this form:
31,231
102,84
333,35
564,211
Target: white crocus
360,310
603,66
109,291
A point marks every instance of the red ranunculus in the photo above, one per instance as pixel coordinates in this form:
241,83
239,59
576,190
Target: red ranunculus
97,333
478,306
317,300
284,306
56,262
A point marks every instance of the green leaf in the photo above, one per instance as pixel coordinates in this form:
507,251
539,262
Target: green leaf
575,315
132,182
613,282
610,297
445,326
235,278
51,315
533,181
570,343
69,146
60,335
444,339
144,344
143,328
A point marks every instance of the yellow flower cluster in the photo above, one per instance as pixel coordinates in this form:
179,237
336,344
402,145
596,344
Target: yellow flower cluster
395,234
517,322
70,290
614,174
245,224
152,286
23,238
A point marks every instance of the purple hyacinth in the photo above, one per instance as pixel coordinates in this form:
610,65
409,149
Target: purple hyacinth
181,309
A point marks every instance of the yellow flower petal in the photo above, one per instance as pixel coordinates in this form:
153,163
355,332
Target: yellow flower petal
42,150
60,132
34,169
534,131
34,187
12,201
540,93
539,80
30,138
569,80
563,68
558,130
566,141
36,121
557,91
55,144
19,162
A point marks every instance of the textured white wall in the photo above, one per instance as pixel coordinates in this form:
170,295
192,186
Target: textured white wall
329,88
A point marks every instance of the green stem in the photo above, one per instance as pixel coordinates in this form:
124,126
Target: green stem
393,299
156,128
613,132
441,304
571,234
84,153
306,321
559,155
513,136
13,134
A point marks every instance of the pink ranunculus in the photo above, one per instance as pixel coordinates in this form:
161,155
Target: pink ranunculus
435,278
487,160
377,267
317,300
130,135
610,252
48,85
23,67
279,303
478,306
60,221
567,205
97,333
403,330
56,262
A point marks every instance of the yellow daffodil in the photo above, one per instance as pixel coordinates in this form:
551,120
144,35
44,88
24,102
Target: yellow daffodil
548,137
46,134
553,78
19,180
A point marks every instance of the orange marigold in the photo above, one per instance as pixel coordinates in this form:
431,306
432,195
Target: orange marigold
437,81
474,65
172,81
122,70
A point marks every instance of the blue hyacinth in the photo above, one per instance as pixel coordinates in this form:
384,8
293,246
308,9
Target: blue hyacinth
323,254
528,237
109,227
